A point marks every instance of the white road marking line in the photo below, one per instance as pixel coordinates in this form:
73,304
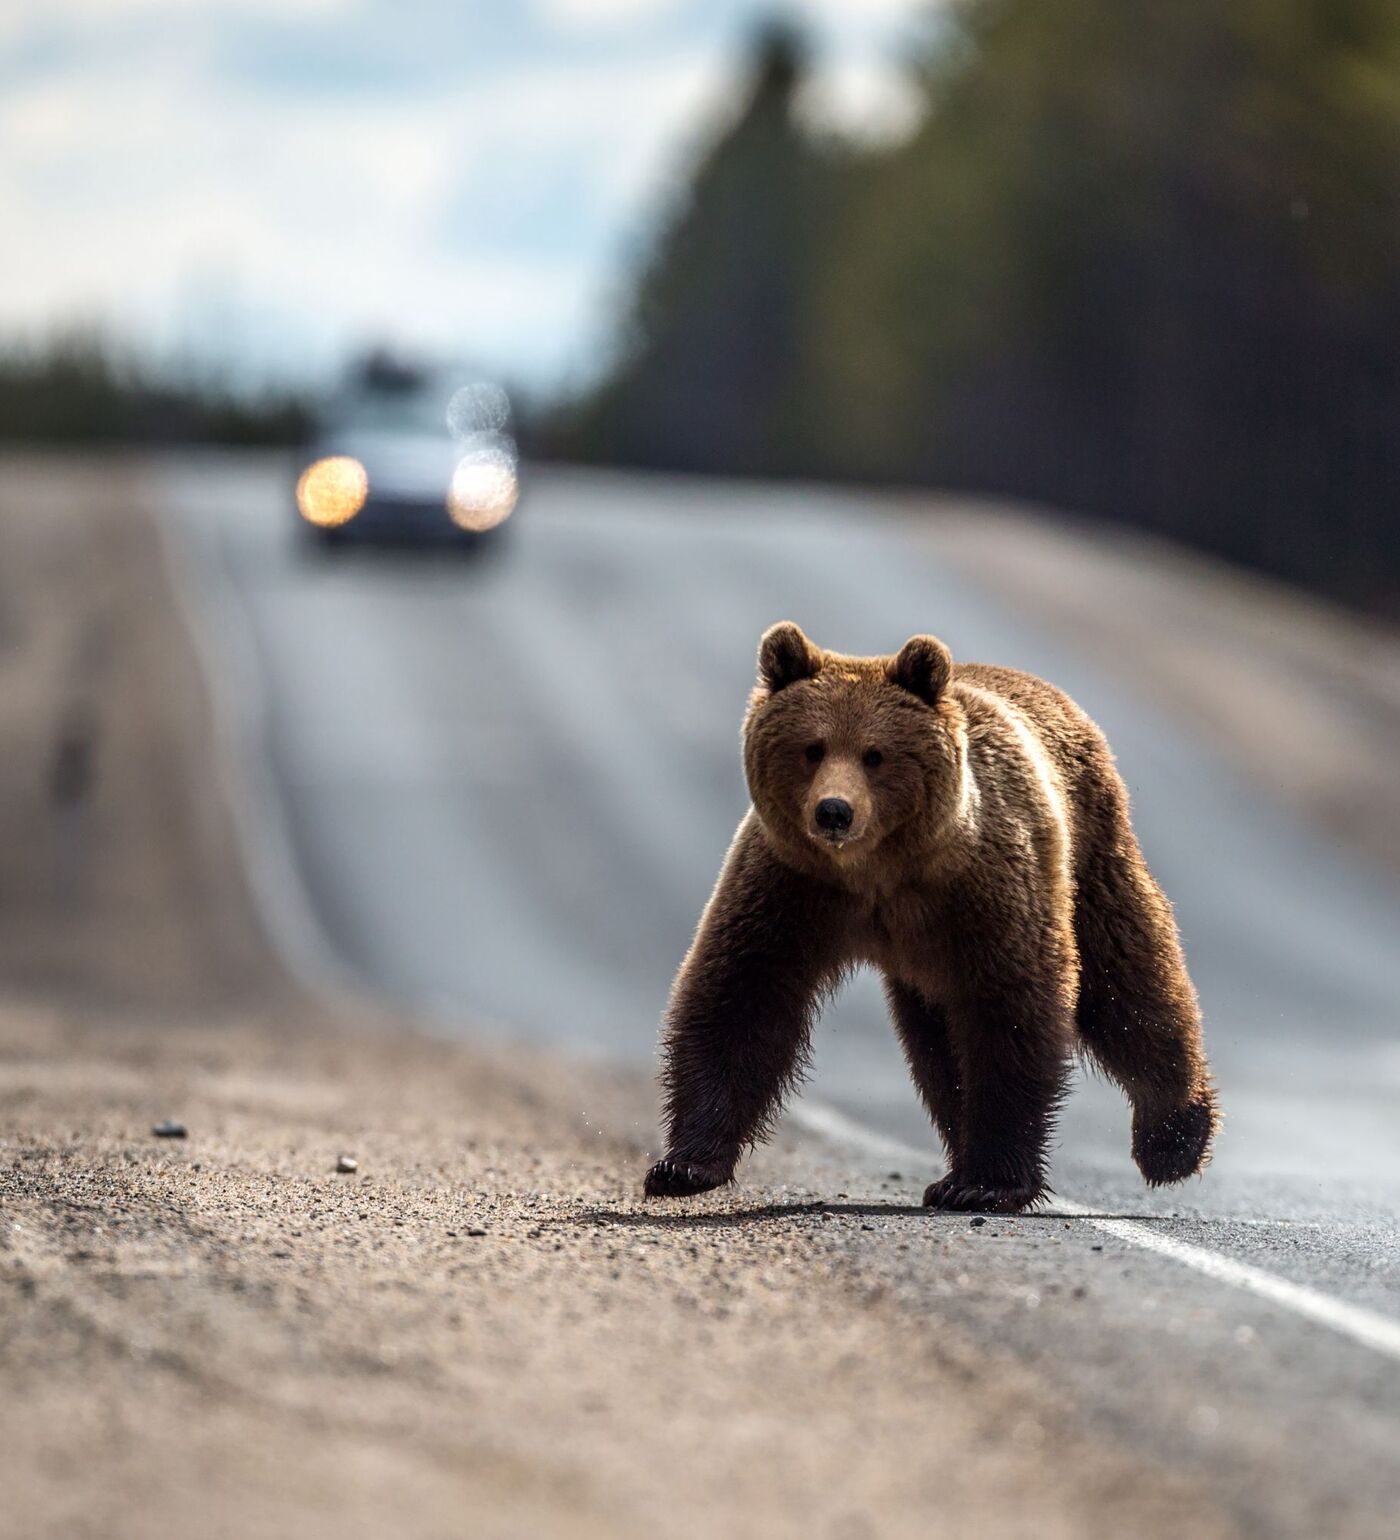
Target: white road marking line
1378,1332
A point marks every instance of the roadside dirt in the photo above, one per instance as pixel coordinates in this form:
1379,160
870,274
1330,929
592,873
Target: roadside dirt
119,878
480,1330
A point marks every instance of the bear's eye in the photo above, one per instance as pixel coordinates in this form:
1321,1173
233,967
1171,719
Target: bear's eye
872,758
814,752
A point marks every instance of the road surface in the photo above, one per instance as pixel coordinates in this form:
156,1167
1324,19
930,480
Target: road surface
506,786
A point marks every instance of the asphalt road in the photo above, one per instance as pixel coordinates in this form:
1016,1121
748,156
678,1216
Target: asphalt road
507,785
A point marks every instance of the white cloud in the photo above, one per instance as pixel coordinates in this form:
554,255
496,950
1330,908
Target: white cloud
120,191
136,174
625,119
864,96
19,13
581,15
869,12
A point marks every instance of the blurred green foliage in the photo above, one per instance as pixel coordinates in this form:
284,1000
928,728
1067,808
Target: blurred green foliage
1142,259
73,388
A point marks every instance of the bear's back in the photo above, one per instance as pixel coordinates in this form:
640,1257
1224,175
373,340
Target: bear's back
1070,737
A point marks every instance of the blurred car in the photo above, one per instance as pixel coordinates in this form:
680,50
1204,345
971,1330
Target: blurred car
405,455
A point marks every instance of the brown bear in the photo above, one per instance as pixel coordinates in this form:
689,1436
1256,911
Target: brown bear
964,830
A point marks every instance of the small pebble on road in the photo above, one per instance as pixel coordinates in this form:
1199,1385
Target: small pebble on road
167,1128
345,1164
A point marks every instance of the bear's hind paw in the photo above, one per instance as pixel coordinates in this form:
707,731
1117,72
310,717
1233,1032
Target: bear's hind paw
955,1195
1175,1146
671,1178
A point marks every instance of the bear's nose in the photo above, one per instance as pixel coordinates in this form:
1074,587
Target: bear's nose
834,815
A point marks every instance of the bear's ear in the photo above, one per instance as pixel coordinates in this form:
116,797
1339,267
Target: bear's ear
785,656
923,666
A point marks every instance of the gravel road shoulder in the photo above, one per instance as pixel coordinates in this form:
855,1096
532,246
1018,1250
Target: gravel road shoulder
478,1331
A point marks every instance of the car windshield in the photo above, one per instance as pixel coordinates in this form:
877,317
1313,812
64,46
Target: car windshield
398,411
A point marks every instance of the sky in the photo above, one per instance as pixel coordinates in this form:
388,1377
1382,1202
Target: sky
268,184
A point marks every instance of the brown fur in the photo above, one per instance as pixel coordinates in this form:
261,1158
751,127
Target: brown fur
988,870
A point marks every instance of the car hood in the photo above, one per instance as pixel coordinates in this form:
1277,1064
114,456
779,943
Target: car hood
399,464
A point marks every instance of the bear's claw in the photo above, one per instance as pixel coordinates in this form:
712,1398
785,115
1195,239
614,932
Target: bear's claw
951,1193
671,1178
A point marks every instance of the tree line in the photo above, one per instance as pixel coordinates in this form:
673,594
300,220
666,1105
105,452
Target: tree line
1141,259
74,387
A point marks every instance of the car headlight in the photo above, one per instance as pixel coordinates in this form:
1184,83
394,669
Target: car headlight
484,490
332,491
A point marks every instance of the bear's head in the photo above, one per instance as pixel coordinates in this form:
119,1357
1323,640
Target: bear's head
847,755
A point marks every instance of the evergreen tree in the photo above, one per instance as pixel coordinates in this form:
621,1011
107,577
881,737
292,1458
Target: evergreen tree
1141,260
714,352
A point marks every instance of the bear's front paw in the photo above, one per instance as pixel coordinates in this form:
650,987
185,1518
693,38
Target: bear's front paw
954,1193
671,1178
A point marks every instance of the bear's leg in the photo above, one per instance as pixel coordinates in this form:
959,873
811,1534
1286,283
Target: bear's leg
1013,1051
923,1031
1138,1016
740,1015
725,1073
